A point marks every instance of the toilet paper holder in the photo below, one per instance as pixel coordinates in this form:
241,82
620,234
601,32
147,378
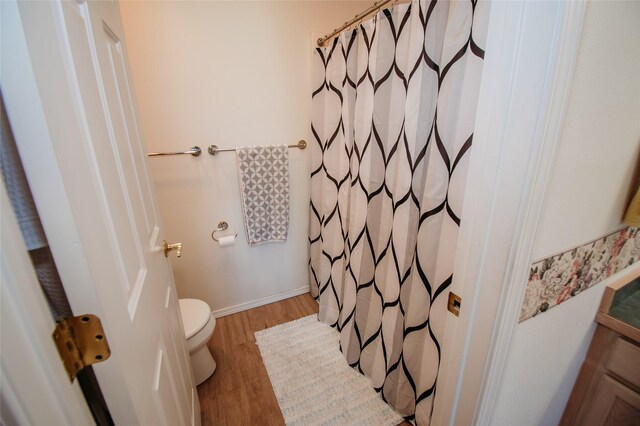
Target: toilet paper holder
222,226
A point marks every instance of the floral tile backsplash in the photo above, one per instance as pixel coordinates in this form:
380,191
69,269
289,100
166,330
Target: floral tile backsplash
558,278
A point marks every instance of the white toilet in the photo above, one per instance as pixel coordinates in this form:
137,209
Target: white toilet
198,322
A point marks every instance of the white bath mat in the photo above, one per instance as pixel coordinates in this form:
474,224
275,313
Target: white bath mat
312,381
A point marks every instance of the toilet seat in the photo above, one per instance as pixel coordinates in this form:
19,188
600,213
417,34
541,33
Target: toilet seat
195,315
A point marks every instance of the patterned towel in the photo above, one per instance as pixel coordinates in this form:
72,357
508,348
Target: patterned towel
264,189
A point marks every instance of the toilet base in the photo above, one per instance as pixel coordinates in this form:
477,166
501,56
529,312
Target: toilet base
203,364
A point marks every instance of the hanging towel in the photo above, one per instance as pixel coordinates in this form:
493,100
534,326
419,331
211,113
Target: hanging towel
263,173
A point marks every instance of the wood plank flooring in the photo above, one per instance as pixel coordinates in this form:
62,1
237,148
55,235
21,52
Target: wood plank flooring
239,391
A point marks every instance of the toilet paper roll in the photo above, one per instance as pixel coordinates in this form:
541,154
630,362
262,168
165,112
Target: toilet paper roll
229,240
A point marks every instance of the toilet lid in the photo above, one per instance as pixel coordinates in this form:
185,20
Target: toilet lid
195,315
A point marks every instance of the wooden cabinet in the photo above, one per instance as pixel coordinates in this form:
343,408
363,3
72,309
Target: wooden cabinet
612,404
607,391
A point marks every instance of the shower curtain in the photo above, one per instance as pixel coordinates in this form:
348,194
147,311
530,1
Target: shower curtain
393,111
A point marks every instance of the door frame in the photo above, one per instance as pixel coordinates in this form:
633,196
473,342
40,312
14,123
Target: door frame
42,393
528,72
526,83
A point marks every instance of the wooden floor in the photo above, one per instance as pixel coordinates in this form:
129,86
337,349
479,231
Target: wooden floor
239,391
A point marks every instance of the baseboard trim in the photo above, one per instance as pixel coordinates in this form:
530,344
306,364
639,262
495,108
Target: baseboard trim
260,302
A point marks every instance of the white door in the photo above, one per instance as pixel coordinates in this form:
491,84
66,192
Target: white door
73,114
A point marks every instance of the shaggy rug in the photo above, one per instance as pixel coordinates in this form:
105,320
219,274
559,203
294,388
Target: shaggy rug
312,381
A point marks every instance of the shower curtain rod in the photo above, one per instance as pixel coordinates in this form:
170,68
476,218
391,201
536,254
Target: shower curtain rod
374,8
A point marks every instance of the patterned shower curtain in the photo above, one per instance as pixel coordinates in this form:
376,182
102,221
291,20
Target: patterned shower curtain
392,117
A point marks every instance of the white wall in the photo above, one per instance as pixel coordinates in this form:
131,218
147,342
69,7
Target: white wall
226,73
597,155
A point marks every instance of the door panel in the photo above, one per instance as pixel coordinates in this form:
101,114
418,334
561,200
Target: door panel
121,110
179,352
131,266
147,300
113,209
124,182
165,397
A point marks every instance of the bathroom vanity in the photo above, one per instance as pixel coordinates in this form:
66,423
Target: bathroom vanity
607,391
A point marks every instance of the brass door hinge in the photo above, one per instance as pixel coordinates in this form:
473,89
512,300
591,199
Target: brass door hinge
454,303
81,342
